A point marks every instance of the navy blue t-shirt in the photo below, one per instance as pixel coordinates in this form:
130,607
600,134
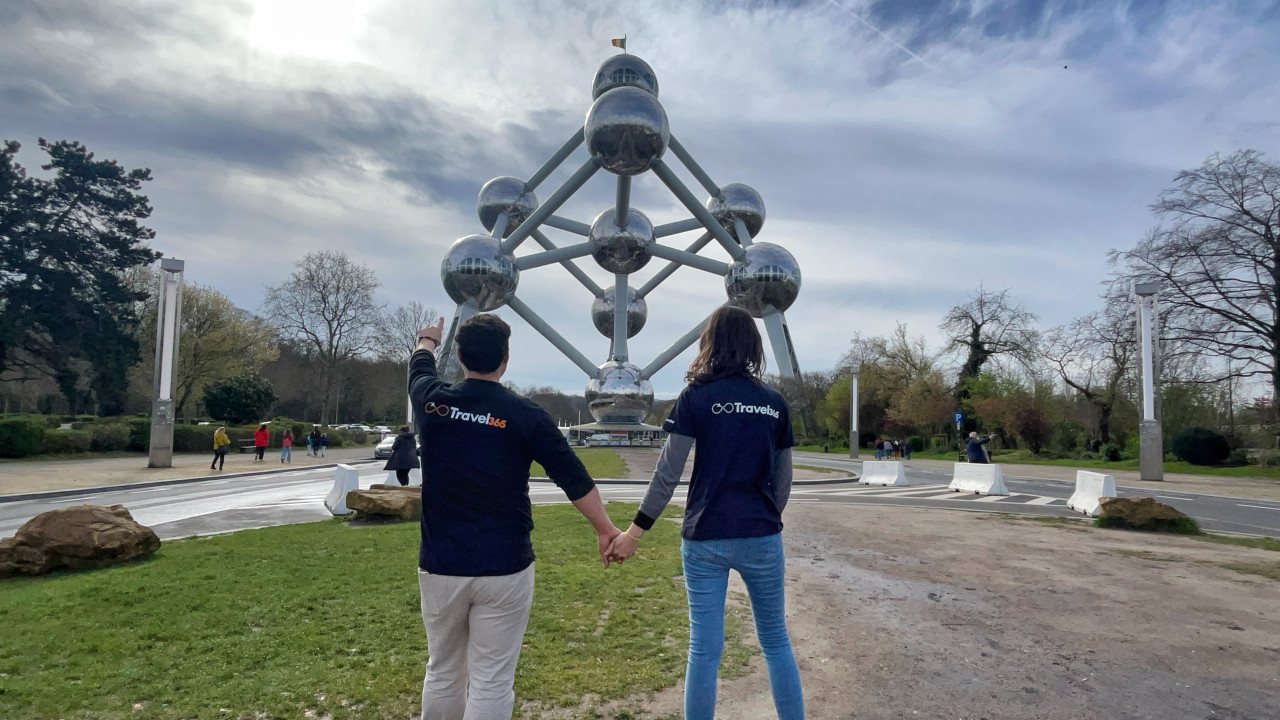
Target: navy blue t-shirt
478,440
738,427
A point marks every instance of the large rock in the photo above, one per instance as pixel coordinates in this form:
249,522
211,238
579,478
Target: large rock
76,538
1139,511
386,501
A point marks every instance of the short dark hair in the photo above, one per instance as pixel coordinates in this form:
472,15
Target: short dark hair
482,342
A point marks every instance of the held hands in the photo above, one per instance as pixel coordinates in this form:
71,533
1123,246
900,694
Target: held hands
604,543
625,544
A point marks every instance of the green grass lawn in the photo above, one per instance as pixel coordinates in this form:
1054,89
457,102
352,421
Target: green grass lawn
600,462
322,619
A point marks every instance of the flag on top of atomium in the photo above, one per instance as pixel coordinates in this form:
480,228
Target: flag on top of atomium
626,133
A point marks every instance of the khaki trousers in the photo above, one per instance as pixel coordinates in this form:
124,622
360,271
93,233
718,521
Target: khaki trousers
475,626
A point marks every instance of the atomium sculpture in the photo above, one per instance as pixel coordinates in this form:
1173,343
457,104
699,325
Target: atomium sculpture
627,133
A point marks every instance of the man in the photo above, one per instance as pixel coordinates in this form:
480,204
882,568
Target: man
313,440
974,450
475,563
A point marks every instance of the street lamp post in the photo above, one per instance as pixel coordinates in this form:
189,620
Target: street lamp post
853,415
1150,436
168,326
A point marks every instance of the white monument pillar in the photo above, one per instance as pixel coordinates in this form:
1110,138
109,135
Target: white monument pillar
1150,435
853,415
168,322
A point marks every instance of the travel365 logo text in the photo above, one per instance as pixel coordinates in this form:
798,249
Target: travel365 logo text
454,413
732,407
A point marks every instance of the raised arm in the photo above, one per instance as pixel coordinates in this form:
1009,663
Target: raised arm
422,365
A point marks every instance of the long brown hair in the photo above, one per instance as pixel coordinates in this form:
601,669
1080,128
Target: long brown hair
730,346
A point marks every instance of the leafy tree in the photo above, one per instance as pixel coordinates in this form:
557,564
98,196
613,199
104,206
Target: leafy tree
327,310
218,340
833,411
1094,355
1033,427
64,310
239,399
989,326
1216,256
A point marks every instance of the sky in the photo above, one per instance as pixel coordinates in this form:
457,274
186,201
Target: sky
907,151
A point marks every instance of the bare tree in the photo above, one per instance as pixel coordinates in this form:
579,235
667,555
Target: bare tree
1093,355
989,326
398,333
327,310
1216,256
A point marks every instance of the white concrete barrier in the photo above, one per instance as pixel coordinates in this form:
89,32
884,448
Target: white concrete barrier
1090,488
345,479
883,472
415,477
982,478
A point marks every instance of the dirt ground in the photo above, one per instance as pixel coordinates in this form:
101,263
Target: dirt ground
907,613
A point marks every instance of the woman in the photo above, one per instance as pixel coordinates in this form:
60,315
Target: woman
324,443
286,447
733,515
261,437
404,455
220,444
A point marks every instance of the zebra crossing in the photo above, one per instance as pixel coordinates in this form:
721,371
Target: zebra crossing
925,492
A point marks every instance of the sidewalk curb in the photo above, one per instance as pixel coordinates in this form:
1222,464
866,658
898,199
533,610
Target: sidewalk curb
158,483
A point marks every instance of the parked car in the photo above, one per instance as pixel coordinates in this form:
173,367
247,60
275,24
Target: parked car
382,450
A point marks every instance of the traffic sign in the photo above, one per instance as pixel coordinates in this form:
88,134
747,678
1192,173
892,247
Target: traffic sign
959,418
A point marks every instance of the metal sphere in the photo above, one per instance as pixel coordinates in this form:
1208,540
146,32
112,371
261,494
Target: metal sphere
505,195
621,249
737,202
621,71
476,270
617,394
602,312
767,276
626,130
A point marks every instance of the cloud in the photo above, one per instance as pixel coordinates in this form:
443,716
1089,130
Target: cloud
275,127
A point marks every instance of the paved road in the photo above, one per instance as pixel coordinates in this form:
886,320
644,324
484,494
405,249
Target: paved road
279,498
1226,514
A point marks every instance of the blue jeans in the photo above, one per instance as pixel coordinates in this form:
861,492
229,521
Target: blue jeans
286,454
760,562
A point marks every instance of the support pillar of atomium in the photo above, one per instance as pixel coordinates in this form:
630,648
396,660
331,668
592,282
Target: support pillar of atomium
626,133
1150,434
168,329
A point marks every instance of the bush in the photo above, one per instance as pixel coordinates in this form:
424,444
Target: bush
1238,458
1033,427
917,443
52,422
109,437
1181,526
193,438
65,442
139,434
21,436
239,399
1110,452
1201,446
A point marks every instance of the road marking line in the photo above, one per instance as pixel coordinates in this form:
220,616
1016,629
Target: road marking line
952,495
1041,501
1260,507
1170,497
151,490
992,498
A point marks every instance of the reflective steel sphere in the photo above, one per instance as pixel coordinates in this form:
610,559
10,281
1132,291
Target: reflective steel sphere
766,276
505,195
617,394
737,201
621,250
626,130
602,312
476,270
624,70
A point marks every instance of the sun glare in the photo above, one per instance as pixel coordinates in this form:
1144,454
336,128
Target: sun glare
325,29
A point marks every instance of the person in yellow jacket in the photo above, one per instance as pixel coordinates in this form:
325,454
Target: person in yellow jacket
220,444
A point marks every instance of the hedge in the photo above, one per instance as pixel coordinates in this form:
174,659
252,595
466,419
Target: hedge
109,437
67,441
21,436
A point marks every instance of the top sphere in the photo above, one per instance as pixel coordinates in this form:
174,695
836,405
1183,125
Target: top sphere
626,130
476,270
622,70
737,202
766,276
505,195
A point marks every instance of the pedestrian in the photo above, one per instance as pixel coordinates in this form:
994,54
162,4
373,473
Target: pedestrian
324,443
906,449
261,438
286,447
309,450
404,456
313,440
220,444
733,513
879,448
974,450
475,561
